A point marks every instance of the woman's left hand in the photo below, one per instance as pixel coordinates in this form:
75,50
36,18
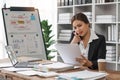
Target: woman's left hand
84,61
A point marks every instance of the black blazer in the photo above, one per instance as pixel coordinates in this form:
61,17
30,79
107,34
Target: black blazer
97,50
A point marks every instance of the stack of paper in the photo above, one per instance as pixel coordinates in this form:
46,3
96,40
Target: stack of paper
58,66
85,75
65,35
105,18
42,74
65,18
111,53
16,69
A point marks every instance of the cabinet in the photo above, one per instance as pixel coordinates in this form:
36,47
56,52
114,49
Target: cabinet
104,18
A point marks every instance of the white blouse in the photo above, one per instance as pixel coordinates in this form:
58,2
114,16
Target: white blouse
84,50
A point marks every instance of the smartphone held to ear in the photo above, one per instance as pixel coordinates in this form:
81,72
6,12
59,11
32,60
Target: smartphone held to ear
75,33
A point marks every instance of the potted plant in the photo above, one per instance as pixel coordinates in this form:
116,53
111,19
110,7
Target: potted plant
48,38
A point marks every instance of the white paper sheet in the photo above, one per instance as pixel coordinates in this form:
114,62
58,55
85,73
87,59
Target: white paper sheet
68,52
7,64
43,74
55,66
83,75
16,69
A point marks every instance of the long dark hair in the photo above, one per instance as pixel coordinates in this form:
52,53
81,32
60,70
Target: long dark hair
81,17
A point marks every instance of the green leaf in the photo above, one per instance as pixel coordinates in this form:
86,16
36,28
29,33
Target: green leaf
46,29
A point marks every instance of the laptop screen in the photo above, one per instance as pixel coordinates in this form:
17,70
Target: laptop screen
11,54
24,32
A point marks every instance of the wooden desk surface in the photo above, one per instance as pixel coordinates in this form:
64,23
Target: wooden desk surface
112,75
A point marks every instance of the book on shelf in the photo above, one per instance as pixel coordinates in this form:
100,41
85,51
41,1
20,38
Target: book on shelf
105,18
100,1
62,2
111,51
109,0
70,2
65,2
104,1
65,18
83,2
110,59
59,3
66,31
64,38
88,1
65,15
78,2
65,34
111,47
89,15
110,55
64,21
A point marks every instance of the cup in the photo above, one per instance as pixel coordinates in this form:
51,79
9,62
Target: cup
101,65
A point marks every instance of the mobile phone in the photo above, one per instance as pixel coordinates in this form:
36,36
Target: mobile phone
78,34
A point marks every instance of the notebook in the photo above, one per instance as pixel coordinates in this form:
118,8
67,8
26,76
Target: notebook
68,52
15,62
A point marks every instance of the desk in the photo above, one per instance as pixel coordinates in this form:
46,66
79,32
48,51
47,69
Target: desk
112,75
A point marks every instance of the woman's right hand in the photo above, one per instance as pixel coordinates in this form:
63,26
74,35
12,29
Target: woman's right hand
76,38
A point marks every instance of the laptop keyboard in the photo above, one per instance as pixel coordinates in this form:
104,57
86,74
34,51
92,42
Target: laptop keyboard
26,64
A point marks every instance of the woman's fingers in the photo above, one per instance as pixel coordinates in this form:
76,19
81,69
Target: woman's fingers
81,61
84,57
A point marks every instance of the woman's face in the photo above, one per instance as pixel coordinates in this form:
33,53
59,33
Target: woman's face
80,27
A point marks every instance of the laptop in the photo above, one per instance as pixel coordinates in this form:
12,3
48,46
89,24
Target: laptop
15,62
68,53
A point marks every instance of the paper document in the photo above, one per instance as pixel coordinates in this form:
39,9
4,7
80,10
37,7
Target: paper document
29,73
16,69
7,64
85,75
58,66
42,74
69,52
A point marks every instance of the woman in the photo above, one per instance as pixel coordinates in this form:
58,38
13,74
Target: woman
92,45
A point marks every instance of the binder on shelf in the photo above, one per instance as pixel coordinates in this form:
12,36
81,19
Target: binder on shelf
64,34
66,2
66,31
111,33
111,53
70,2
62,3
